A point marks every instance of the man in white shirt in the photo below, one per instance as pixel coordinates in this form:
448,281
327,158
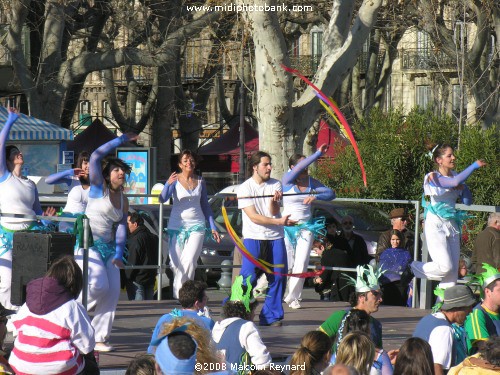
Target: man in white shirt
263,233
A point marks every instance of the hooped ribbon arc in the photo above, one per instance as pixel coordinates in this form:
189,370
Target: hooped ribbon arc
336,114
261,263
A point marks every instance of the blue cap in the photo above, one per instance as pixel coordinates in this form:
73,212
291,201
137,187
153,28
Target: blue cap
168,362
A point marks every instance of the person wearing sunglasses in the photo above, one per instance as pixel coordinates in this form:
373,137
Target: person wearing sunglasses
357,250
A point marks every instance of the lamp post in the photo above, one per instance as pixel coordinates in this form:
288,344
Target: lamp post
241,174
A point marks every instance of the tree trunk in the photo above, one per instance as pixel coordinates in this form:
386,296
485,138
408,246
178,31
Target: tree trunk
274,89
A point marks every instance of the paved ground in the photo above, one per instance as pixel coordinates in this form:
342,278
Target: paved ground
135,321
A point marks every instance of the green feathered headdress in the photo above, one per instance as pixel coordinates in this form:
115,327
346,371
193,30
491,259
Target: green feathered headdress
439,293
487,277
238,294
373,273
360,284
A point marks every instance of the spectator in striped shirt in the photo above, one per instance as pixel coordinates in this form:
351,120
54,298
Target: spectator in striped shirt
54,333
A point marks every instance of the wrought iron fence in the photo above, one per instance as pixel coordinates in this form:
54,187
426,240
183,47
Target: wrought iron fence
425,59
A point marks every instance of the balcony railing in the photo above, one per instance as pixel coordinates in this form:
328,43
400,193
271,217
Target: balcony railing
425,59
306,64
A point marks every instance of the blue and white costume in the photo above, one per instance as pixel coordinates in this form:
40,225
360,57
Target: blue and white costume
299,239
264,242
77,197
18,195
186,228
443,225
109,244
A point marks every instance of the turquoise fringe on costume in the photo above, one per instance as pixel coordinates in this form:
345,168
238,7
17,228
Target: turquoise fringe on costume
446,212
184,233
315,226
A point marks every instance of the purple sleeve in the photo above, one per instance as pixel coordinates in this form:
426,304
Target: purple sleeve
4,136
384,359
95,170
451,182
121,238
61,177
325,193
205,207
466,196
291,176
167,191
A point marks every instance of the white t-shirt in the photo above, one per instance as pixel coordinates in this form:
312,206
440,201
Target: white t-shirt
437,331
251,188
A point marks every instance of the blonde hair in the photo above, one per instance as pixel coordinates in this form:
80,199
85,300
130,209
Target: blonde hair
206,352
357,350
313,348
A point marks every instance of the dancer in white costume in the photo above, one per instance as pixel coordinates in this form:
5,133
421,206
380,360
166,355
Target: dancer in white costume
442,220
78,183
299,238
106,207
18,195
186,226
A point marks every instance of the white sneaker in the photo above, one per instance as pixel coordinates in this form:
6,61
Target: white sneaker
287,301
295,304
103,347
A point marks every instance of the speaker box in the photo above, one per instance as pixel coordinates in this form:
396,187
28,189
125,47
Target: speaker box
32,254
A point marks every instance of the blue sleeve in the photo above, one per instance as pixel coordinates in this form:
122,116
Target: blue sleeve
95,170
121,238
386,364
4,136
156,332
37,207
61,177
451,182
466,196
167,191
324,193
291,176
205,207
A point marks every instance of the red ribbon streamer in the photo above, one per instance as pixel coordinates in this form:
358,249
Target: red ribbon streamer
337,112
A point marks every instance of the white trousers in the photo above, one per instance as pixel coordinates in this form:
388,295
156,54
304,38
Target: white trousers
298,260
6,279
443,242
183,259
103,292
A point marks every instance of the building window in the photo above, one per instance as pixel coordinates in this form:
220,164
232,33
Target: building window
317,48
456,100
423,96
84,118
460,35
107,115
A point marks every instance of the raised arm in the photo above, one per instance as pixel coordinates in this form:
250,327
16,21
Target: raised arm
4,136
168,188
291,176
61,177
95,171
451,182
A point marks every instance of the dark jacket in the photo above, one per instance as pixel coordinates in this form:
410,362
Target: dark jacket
45,295
487,249
142,248
358,252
